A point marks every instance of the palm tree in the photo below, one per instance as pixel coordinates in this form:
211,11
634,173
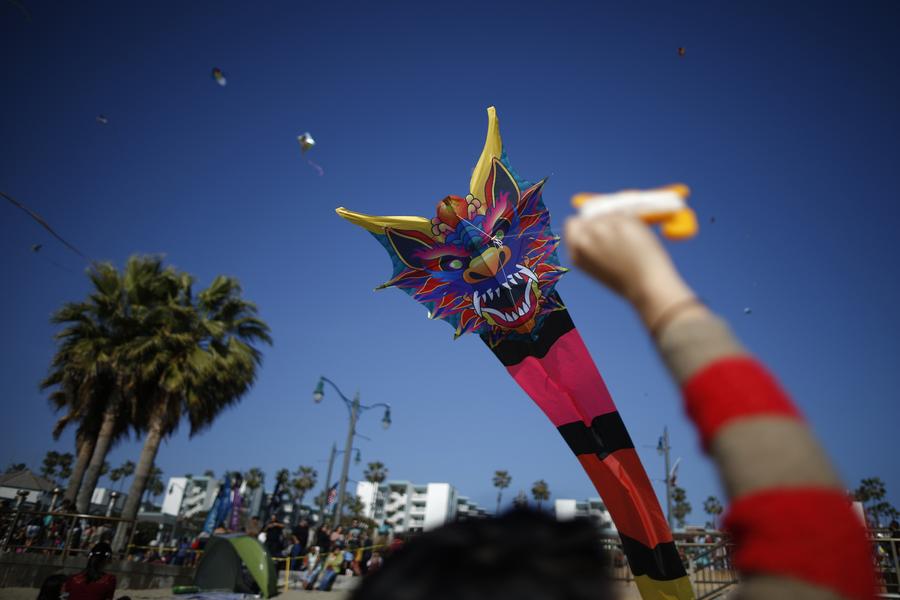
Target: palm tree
85,372
254,478
713,508
540,491
521,499
127,470
209,473
194,356
304,480
375,473
502,479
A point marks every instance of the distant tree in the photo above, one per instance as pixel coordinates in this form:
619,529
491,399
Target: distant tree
540,491
713,508
304,480
155,485
209,473
375,474
355,506
57,467
48,466
502,479
682,507
15,467
254,478
871,492
104,468
64,465
521,499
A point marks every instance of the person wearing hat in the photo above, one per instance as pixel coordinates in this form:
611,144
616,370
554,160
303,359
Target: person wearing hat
92,583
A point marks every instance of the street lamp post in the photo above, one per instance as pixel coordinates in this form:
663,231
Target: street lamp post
355,409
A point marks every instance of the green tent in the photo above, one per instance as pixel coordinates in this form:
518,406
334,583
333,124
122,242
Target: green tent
237,563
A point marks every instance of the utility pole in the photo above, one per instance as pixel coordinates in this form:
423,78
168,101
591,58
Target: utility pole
328,478
345,469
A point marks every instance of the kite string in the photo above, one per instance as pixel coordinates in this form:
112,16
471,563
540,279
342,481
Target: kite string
40,220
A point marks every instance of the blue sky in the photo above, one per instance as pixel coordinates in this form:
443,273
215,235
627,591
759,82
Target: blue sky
782,119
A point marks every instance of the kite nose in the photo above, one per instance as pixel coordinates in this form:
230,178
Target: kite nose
487,264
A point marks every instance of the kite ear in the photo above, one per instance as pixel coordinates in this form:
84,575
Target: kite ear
408,245
502,184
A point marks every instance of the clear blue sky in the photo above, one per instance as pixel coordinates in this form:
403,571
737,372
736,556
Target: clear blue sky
784,120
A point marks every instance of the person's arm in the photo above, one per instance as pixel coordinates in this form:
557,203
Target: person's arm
795,534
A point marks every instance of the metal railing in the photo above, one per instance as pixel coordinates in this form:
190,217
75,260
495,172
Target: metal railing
886,556
711,570
56,533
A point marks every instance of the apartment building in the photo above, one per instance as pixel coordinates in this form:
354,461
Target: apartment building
408,507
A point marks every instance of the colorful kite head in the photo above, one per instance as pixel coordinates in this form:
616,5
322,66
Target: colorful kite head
219,76
485,263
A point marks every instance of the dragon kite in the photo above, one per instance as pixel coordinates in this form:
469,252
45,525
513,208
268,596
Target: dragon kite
487,264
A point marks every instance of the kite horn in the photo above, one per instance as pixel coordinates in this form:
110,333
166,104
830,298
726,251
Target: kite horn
493,148
377,225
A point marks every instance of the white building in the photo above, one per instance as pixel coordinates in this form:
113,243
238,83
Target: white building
186,497
405,506
103,496
592,508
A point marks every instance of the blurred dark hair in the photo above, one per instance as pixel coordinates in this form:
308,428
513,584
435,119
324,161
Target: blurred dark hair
522,555
52,587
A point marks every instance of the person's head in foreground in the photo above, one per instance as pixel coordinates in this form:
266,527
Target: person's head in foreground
98,558
522,555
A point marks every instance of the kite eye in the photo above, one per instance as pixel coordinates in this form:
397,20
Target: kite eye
450,263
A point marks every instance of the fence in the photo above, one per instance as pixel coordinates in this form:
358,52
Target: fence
709,561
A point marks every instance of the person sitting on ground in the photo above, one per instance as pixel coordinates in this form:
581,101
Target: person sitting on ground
781,485
333,567
93,583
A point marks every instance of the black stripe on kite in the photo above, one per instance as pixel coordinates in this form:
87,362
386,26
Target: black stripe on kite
606,434
661,563
511,351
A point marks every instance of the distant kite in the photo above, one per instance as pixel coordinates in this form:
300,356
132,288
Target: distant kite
36,247
102,119
307,142
40,220
219,76
681,51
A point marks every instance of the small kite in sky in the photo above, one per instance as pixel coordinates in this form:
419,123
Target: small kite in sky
681,51
102,119
36,247
306,142
219,76
748,311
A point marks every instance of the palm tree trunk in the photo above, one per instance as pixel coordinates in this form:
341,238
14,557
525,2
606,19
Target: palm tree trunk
85,448
499,495
139,480
101,447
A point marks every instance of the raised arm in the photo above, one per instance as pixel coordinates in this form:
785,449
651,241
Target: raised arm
795,534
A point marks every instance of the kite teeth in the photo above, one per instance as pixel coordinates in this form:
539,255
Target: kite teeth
476,302
527,272
506,285
490,294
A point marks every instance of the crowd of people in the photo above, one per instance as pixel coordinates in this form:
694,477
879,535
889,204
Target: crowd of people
51,532
316,556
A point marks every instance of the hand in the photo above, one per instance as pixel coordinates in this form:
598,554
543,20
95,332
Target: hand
621,252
